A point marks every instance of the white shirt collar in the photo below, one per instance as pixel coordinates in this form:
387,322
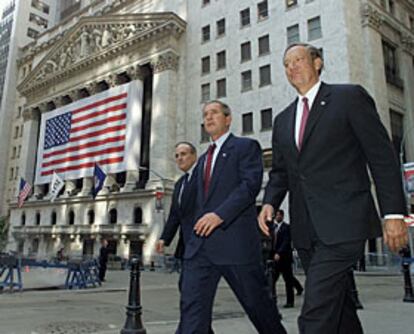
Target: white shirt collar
220,141
190,172
311,94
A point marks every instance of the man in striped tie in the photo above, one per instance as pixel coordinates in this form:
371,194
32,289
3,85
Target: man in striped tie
322,144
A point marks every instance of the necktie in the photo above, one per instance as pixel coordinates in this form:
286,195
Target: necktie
276,230
207,170
182,189
303,121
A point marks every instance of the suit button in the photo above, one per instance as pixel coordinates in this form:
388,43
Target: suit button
302,177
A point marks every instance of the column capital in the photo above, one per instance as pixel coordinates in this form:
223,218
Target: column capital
371,17
112,80
92,87
31,114
135,72
164,62
407,42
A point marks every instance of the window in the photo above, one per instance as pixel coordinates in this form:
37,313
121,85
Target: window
32,33
221,60
266,119
39,21
247,123
221,88
53,218
264,45
23,219
16,174
411,21
246,51
19,112
267,158
205,34
113,216
245,17
16,132
71,218
11,173
262,10
19,151
14,152
265,77
314,28
205,137
293,34
391,65
137,215
221,27
21,130
291,3
397,129
40,6
246,80
91,217
205,65
37,219
205,92
205,2
391,6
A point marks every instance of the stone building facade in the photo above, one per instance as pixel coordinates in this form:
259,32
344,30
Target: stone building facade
185,53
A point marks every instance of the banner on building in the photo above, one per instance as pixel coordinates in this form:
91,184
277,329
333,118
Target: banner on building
409,178
55,186
104,128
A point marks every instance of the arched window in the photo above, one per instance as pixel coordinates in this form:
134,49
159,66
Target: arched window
53,218
138,215
23,219
71,218
113,216
37,221
91,217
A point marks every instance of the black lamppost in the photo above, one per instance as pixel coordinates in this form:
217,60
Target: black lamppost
133,322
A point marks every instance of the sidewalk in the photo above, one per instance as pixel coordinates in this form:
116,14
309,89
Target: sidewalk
102,310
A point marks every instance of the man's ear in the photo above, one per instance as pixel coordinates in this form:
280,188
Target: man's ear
317,63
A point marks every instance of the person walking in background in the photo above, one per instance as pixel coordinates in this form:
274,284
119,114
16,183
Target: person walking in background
282,257
182,206
103,259
225,241
322,144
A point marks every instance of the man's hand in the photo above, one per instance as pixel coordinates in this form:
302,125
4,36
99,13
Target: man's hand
395,234
159,246
265,215
277,257
206,224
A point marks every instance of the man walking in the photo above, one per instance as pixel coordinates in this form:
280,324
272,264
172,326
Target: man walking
226,241
322,144
281,254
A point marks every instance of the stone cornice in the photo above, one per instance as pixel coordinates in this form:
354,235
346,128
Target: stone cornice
371,16
407,43
96,40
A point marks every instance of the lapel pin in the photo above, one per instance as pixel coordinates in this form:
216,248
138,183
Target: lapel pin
224,155
323,103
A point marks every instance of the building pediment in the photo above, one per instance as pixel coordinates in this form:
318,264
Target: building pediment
96,39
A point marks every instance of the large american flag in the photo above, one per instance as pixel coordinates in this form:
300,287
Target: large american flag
103,128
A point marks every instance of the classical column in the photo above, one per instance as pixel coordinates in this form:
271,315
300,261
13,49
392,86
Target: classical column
374,77
407,75
163,122
87,185
31,117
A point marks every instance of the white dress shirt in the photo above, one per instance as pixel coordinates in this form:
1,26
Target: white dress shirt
219,143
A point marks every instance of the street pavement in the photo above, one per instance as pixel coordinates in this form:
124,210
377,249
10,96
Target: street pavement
44,308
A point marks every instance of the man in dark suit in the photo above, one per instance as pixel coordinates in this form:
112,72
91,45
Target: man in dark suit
322,144
182,207
103,259
226,241
182,204
281,254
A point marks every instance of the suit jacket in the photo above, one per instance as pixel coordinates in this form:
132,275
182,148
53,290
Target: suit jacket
328,180
283,244
181,215
235,182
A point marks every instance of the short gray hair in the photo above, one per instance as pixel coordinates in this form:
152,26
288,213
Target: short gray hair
313,51
193,150
224,107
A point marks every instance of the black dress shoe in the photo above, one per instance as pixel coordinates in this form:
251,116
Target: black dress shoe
288,305
299,292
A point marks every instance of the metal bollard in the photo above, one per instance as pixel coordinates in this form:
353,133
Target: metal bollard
133,322
408,287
